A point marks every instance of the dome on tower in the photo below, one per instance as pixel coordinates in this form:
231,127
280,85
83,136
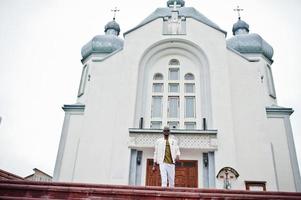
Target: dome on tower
179,2
240,25
104,44
246,43
112,25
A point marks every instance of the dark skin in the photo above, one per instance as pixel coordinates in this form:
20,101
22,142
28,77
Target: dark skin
166,135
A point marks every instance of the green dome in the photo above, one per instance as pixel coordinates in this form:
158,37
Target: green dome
104,44
240,25
113,25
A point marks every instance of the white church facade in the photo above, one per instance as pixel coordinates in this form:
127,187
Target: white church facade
177,69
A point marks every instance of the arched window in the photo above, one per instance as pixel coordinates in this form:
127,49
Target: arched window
158,76
189,76
173,98
174,62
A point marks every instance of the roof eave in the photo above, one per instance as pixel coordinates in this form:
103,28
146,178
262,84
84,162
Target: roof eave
140,25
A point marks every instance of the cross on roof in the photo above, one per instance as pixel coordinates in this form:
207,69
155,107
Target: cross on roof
175,6
238,11
115,10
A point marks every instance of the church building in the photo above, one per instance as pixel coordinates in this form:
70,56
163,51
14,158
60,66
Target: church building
178,69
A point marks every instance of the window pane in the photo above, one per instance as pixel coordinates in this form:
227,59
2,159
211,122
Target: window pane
158,87
189,87
271,86
156,125
189,76
174,62
173,87
173,107
189,107
158,76
83,80
157,107
190,125
173,74
173,125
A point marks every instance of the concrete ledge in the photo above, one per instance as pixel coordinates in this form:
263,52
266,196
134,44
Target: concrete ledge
46,190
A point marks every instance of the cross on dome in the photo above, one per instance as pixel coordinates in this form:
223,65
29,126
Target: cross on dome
172,3
238,11
175,6
115,10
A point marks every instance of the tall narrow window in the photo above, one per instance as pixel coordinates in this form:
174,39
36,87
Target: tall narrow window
174,74
189,107
173,107
83,80
158,87
271,86
157,107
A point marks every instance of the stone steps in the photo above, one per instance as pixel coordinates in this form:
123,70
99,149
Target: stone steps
30,190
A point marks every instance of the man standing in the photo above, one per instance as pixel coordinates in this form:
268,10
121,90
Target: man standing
166,154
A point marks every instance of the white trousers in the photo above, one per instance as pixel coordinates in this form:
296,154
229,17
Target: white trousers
167,172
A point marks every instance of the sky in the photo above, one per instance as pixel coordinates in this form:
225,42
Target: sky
40,63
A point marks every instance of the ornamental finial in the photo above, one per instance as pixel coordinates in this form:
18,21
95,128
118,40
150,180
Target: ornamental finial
238,11
115,10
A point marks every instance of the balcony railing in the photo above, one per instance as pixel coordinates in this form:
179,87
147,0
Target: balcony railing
188,139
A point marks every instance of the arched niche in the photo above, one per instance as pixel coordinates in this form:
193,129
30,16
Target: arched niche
173,48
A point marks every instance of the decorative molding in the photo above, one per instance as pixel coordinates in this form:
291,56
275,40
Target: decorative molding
189,139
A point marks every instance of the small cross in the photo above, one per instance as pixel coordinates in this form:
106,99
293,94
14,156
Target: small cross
115,10
238,11
175,6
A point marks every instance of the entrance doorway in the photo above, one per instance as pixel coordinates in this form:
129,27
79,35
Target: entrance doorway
186,174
